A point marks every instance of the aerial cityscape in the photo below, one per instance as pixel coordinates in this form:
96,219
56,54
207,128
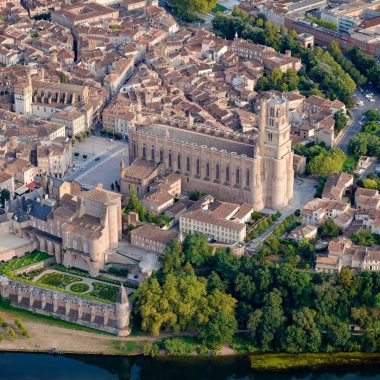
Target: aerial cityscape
190,179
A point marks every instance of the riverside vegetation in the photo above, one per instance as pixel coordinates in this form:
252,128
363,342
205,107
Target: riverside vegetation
279,307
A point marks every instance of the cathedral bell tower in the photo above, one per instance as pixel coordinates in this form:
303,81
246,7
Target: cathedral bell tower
275,147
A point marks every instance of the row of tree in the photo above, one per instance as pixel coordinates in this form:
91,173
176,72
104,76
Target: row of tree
366,64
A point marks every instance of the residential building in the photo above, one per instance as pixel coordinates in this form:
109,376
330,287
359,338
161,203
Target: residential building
152,238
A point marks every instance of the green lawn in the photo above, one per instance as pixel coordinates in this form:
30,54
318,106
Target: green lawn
58,280
218,8
106,292
20,262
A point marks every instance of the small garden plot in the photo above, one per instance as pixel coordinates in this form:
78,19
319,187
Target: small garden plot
34,273
21,262
79,287
218,8
58,280
103,291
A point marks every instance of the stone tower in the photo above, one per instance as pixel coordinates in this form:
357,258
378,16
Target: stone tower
123,312
275,149
23,93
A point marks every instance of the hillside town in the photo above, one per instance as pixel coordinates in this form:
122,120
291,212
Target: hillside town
149,151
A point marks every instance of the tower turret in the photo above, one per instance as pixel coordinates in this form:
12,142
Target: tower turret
123,312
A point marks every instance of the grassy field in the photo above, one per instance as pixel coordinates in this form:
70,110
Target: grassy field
218,8
21,262
280,362
131,348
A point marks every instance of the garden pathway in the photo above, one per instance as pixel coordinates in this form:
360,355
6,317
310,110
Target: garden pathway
87,280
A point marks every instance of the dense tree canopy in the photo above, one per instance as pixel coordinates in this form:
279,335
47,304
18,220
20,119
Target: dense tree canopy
340,121
366,64
372,114
327,162
364,144
329,229
284,308
181,302
346,64
186,8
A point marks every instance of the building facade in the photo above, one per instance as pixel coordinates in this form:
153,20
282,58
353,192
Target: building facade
254,169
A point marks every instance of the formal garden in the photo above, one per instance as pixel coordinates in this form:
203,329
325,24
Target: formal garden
72,283
104,291
57,277
21,262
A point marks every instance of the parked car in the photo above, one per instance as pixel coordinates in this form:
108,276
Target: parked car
82,168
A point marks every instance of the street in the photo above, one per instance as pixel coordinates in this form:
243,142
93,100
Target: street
353,128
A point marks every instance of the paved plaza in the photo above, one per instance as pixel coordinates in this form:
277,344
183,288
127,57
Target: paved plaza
304,190
102,163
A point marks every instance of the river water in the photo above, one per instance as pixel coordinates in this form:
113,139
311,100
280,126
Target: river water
23,366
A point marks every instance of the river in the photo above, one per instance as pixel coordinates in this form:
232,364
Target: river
23,366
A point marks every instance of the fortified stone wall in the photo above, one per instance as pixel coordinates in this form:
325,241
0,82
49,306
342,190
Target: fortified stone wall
113,318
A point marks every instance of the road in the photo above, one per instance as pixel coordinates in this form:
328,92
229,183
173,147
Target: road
353,128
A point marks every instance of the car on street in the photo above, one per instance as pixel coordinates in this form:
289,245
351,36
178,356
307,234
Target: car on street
82,168
97,158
